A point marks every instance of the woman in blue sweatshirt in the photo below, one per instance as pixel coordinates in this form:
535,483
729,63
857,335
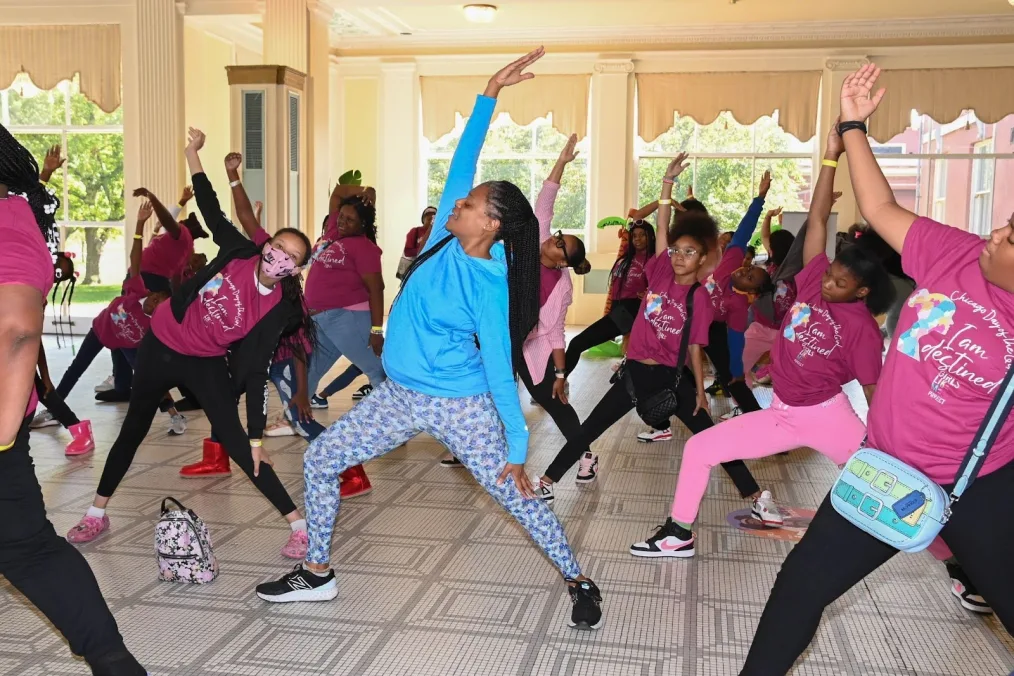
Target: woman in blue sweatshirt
466,305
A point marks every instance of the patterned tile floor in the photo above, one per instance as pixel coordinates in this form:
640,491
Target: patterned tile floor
436,581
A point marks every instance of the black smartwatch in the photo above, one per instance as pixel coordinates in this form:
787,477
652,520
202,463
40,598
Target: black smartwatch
849,126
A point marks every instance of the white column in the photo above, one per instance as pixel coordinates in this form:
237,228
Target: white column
397,186
318,115
612,147
286,39
835,72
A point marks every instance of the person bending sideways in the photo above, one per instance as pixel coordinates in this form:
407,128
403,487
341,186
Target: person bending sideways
944,364
456,334
828,338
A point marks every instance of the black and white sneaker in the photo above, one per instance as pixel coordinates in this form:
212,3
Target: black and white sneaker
587,600
300,585
670,540
362,392
543,491
451,462
318,402
966,592
587,469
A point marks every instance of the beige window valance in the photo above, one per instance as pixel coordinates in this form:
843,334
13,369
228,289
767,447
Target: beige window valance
566,96
748,96
942,94
50,54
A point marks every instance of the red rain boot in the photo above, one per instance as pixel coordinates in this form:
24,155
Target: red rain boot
214,463
354,482
83,441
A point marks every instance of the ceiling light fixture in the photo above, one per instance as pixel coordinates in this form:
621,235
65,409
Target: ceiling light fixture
480,13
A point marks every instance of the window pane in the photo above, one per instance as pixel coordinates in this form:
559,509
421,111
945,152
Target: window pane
650,171
84,112
1003,200
518,172
790,183
448,142
680,137
771,138
960,136
724,135
37,107
436,177
726,188
37,145
572,201
95,175
98,261
506,137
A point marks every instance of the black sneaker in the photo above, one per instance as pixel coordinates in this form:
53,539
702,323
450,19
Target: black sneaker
299,585
113,396
362,392
716,389
451,462
585,596
966,592
670,540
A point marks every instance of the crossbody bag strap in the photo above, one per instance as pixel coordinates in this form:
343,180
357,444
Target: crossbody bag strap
990,428
685,336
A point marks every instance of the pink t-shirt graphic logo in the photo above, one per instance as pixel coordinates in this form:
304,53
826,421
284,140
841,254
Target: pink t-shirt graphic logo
815,331
800,318
126,326
329,253
662,322
935,314
222,304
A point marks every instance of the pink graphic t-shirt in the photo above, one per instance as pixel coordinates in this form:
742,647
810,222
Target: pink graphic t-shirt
782,300
636,283
225,310
27,260
950,353
167,256
337,267
719,283
123,323
659,325
821,345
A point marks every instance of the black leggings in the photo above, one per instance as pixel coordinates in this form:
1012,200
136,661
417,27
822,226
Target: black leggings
52,574
834,555
718,352
617,403
599,332
55,404
562,414
159,369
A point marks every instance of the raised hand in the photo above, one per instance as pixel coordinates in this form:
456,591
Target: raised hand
570,151
142,192
368,196
835,144
690,192
765,184
858,99
678,165
144,211
188,194
196,140
774,213
835,196
53,161
513,73
233,161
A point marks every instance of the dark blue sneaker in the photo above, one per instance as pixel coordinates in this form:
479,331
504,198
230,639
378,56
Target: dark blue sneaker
318,402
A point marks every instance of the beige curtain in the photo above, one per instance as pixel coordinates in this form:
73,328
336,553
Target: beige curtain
50,54
942,94
748,96
566,96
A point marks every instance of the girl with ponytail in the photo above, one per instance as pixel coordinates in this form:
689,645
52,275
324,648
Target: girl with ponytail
456,330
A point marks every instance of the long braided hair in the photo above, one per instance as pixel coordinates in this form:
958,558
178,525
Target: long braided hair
20,173
519,232
292,292
622,267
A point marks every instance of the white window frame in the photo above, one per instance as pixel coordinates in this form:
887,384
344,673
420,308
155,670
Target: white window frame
982,186
940,190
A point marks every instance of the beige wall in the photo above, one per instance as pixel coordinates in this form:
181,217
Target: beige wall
358,139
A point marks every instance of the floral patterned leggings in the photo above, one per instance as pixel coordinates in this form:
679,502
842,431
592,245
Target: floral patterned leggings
468,426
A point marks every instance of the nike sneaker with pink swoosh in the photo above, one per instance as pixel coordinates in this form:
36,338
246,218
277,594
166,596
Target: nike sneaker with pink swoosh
670,540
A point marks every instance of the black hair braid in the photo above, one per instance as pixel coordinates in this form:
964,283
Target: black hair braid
519,231
367,216
292,293
20,173
622,266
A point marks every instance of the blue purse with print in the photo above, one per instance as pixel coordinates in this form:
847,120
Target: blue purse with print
900,505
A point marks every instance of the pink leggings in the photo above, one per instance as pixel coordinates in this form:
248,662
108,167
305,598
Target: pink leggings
831,428
759,339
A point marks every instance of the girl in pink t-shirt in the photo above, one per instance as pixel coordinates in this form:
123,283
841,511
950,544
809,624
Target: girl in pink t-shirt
654,361
953,347
829,338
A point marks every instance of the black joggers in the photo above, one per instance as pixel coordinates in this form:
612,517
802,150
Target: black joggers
562,414
159,369
718,352
617,403
601,331
834,556
51,573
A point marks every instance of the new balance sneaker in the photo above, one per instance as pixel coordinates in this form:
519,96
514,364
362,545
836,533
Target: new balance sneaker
651,436
716,389
670,540
362,392
300,585
317,401
105,385
451,462
765,510
732,414
543,490
966,592
177,425
587,468
44,419
587,602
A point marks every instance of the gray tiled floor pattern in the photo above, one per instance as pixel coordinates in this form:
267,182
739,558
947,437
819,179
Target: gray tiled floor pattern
436,580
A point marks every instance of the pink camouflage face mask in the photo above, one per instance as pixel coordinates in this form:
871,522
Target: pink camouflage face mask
275,263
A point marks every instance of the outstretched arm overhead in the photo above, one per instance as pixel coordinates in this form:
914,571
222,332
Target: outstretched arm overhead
248,218
672,172
165,219
551,187
823,198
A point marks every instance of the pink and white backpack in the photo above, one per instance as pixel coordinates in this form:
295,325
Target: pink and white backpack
183,546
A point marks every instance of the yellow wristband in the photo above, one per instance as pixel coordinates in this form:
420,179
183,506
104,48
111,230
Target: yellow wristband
829,163
256,443
664,203
8,446
138,236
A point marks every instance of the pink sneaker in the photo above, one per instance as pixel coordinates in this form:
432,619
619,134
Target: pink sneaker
297,545
87,529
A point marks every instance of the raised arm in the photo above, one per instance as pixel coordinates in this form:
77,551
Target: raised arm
823,198
245,213
873,193
461,174
643,212
766,228
672,172
546,201
188,194
165,219
143,214
222,230
51,163
746,227
343,192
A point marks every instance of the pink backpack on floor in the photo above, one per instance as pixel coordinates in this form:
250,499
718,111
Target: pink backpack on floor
183,546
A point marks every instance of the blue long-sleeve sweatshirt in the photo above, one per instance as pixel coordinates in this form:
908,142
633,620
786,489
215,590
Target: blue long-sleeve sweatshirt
451,299
744,231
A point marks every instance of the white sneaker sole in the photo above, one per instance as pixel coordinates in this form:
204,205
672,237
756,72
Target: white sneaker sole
766,522
584,626
654,440
325,592
289,432
676,554
586,480
971,607
52,422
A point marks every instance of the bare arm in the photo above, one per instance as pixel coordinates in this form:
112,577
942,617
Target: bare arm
697,366
20,342
143,214
342,192
672,172
250,220
51,163
374,282
823,197
644,212
164,217
766,228
868,390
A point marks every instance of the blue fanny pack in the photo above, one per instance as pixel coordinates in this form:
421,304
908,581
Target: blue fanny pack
900,505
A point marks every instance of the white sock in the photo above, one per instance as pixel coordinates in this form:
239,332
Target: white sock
97,512
313,572
298,524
